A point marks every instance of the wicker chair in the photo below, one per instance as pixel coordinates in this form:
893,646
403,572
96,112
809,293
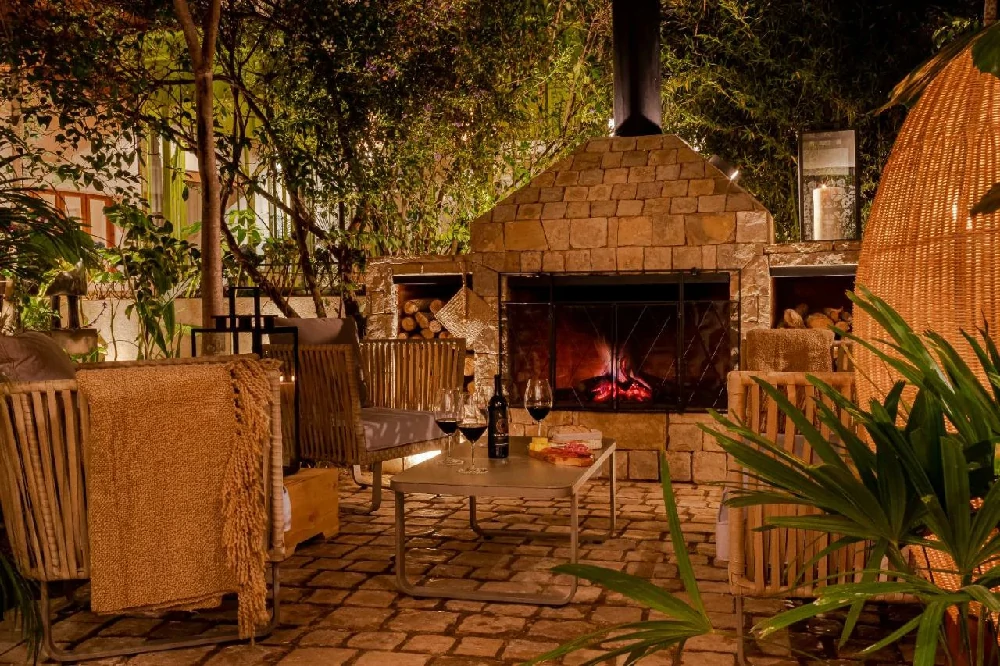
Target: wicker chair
44,430
399,375
772,563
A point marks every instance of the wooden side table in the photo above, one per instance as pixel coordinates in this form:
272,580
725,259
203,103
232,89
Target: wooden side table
312,494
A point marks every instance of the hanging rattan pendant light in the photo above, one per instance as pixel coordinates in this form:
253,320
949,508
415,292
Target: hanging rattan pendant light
922,251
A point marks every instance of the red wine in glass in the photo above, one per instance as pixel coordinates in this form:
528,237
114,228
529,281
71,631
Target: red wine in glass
472,425
473,432
539,413
538,400
447,414
447,426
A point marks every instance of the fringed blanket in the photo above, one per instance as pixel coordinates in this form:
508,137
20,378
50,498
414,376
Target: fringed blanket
176,506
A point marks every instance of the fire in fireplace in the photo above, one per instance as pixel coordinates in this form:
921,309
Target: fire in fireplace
623,342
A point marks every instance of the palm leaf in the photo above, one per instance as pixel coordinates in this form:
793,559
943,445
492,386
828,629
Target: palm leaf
684,566
643,638
908,91
927,634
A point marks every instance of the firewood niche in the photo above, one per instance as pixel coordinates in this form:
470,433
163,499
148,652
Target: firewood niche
813,297
418,300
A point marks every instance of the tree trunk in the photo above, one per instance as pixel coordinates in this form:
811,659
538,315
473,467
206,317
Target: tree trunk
202,51
990,12
305,261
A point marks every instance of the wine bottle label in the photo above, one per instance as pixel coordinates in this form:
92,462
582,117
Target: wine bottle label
499,439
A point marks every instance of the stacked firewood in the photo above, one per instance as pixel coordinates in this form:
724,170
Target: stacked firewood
417,320
840,319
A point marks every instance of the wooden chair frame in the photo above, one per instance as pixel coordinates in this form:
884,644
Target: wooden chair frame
398,374
44,428
772,563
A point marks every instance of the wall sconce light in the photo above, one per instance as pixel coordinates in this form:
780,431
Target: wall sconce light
731,172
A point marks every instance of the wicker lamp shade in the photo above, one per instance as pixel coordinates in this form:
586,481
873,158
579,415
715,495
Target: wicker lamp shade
922,251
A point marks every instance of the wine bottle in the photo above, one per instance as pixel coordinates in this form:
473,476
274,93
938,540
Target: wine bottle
498,440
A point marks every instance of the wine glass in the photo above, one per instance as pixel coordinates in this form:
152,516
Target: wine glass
473,425
447,413
538,400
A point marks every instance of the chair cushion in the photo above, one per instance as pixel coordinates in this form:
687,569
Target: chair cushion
327,331
389,428
788,350
34,357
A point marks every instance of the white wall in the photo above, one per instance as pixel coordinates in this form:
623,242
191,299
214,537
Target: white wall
118,331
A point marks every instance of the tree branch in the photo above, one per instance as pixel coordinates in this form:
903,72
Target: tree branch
190,31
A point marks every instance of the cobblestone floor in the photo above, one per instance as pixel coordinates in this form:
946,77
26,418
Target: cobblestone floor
340,606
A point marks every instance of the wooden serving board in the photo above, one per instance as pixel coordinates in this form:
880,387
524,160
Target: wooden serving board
561,461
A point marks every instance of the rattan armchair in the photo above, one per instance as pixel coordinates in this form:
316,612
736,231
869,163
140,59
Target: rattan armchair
398,375
773,563
44,431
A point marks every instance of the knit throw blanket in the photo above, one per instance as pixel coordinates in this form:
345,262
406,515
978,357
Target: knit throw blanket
176,510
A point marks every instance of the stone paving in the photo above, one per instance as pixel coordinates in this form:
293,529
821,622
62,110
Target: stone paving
340,606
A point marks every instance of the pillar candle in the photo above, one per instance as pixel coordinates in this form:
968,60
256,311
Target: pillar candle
827,213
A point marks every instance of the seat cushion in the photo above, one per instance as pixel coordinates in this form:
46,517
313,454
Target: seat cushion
328,331
389,428
33,357
788,350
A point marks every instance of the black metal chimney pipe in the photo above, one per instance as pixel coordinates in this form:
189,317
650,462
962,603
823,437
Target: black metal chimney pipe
636,37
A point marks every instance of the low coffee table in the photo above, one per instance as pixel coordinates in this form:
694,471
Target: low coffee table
518,476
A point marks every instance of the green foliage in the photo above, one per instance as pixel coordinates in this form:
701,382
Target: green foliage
34,236
636,640
986,51
932,452
151,268
741,77
986,56
34,313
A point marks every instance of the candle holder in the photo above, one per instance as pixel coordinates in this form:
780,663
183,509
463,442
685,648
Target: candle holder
829,185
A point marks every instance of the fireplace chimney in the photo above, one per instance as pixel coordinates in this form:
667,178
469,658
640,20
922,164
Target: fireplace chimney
636,35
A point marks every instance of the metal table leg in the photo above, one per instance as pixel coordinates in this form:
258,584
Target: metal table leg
445,592
528,534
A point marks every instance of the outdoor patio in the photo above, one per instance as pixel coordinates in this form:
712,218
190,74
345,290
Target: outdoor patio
341,605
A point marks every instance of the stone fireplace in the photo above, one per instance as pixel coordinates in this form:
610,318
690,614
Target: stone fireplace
626,236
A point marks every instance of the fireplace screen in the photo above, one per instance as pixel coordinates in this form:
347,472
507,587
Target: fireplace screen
622,343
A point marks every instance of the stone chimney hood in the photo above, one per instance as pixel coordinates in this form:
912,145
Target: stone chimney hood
636,37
